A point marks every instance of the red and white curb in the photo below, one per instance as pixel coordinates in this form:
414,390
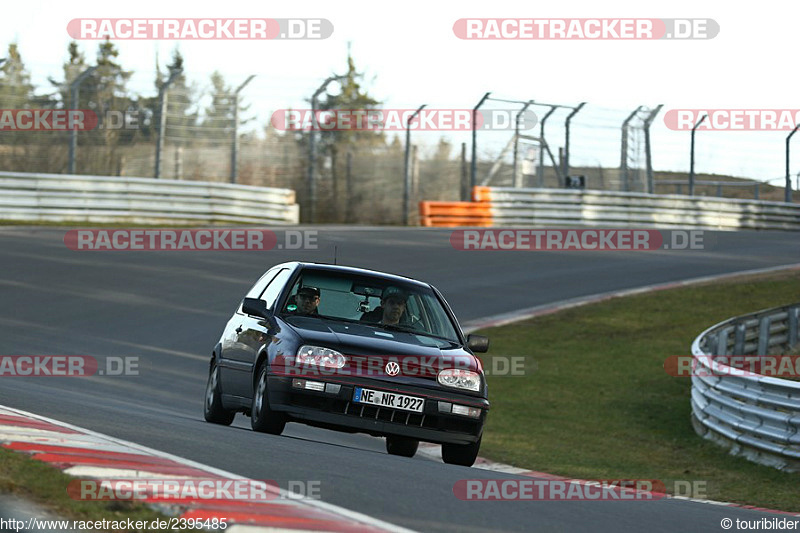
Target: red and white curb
90,455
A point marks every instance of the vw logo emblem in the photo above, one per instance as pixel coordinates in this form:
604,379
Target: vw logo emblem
392,368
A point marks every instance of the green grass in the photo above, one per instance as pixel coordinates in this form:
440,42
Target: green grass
41,483
597,403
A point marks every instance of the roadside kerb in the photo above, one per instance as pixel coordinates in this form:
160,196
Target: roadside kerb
87,454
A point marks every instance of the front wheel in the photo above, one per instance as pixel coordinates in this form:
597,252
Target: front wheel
461,454
402,446
212,408
262,417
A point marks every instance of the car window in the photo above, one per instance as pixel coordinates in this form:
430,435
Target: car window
273,290
357,297
259,286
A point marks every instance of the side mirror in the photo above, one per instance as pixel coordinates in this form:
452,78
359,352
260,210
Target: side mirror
478,343
255,307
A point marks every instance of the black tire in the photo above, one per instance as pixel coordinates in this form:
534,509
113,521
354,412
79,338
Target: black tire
461,454
212,406
402,446
262,418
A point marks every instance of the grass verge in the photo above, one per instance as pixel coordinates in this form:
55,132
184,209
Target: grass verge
597,403
43,484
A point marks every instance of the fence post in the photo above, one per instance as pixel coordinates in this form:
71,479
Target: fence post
464,175
348,177
162,106
235,147
474,166
623,161
179,163
74,89
312,153
543,147
691,157
407,170
566,136
763,335
516,176
648,154
792,316
739,338
787,195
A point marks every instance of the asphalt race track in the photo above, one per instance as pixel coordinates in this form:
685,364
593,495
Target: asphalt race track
168,308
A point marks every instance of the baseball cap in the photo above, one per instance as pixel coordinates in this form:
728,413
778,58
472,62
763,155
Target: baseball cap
394,292
308,291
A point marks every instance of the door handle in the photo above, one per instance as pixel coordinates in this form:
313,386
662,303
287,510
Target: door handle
238,330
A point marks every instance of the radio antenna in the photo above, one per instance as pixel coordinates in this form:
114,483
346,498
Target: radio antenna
334,254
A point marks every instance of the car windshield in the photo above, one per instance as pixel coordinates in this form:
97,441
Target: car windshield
385,303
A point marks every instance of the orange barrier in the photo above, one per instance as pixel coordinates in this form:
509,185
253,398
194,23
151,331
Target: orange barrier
481,194
450,214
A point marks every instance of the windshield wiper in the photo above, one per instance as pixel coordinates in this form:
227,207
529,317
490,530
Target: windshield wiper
407,329
397,327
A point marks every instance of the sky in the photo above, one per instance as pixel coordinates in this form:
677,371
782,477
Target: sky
410,56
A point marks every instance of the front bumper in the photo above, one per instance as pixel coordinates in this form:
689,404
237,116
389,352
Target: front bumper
338,411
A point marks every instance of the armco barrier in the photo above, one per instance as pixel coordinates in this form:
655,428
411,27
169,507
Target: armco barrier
108,199
500,206
757,417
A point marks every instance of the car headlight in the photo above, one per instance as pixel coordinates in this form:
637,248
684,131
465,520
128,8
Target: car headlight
460,379
319,356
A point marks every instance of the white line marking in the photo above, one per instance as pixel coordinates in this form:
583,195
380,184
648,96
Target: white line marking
345,513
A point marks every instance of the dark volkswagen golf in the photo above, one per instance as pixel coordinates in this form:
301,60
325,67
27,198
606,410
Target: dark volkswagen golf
351,350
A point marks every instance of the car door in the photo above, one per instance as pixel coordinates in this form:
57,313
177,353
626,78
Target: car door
252,333
232,360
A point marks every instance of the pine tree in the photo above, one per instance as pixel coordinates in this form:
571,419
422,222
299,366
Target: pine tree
105,92
351,97
23,151
16,89
218,118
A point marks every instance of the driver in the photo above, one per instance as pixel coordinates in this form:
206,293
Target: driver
391,310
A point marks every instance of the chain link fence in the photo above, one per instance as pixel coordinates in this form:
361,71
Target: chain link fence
612,148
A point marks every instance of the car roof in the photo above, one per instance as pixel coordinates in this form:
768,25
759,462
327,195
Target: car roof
357,270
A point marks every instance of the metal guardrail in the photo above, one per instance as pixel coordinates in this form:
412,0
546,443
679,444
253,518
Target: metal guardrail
679,184
501,206
108,199
757,417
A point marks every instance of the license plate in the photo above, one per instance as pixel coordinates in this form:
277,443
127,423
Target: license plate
388,399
